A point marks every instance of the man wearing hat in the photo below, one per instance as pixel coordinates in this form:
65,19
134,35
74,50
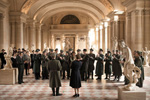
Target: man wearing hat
54,68
84,68
91,63
79,52
49,54
56,52
37,63
3,61
70,61
117,70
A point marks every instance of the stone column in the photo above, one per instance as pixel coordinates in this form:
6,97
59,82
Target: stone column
76,42
32,35
19,34
52,42
101,36
106,36
13,36
1,31
62,42
38,35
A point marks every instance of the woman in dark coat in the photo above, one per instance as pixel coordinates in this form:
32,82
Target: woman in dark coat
108,65
75,80
99,64
14,60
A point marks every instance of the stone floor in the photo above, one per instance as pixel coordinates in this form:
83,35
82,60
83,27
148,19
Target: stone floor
39,90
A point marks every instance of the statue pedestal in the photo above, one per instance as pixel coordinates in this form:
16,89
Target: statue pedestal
7,77
147,71
139,94
16,75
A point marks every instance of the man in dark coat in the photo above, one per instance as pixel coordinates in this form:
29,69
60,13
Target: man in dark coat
138,63
49,54
32,59
117,66
70,61
85,64
37,63
54,68
65,65
44,59
99,64
3,61
20,64
91,63
108,65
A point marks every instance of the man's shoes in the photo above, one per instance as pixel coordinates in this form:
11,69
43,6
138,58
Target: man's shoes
74,95
58,94
78,95
53,94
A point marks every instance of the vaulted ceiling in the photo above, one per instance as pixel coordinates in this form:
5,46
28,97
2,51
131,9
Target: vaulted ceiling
41,10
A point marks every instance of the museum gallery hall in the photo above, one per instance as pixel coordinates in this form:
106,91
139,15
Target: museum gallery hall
74,49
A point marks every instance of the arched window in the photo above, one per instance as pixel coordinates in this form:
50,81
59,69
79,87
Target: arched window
70,19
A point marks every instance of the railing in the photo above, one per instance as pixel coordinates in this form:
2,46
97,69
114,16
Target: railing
70,26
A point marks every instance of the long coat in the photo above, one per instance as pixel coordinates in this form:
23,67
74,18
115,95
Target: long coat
65,65
37,63
117,70
54,68
138,63
91,62
44,60
99,65
75,80
108,65
85,63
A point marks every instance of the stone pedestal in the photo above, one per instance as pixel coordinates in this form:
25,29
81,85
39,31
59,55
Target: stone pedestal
147,71
16,75
139,94
7,77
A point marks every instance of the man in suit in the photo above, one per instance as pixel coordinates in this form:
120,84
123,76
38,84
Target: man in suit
54,68
3,61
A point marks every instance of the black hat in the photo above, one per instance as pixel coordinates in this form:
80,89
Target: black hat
138,52
70,49
108,51
84,49
67,52
19,49
56,49
78,50
91,49
23,49
3,49
117,50
61,51
101,49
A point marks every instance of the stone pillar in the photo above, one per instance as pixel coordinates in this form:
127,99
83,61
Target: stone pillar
76,42
32,35
106,36
62,42
19,34
53,39
101,36
38,35
25,36
1,31
13,36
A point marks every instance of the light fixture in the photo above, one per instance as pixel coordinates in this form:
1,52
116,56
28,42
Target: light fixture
116,18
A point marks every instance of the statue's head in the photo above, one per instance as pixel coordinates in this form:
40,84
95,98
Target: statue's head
122,43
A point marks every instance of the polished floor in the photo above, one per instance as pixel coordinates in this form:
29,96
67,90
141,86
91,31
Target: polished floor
39,90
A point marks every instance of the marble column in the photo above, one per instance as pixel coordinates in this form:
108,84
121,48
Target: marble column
76,42
12,39
32,35
62,42
101,36
1,31
19,34
38,35
53,40
106,36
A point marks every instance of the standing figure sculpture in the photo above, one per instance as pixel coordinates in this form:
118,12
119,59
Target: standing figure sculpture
131,72
45,46
146,54
8,59
115,43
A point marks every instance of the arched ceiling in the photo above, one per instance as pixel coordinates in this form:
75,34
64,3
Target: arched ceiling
42,9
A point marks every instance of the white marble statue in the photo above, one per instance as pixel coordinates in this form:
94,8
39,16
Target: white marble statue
8,59
45,46
131,72
146,54
115,43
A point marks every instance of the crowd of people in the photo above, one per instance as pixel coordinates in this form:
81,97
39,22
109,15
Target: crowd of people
70,65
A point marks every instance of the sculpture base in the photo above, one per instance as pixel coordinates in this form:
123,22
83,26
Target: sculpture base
147,71
139,94
7,77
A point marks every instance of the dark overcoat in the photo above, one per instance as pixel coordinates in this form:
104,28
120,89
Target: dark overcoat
54,68
37,63
91,62
99,65
108,65
117,69
75,80
138,63
85,63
